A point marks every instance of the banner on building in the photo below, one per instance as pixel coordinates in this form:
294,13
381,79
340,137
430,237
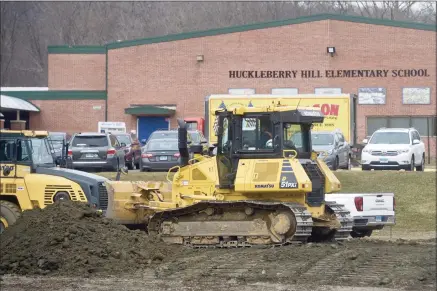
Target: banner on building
237,91
421,95
285,91
327,91
373,96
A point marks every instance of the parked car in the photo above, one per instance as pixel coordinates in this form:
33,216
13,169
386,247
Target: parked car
394,148
160,154
132,150
195,137
94,150
58,141
369,211
332,147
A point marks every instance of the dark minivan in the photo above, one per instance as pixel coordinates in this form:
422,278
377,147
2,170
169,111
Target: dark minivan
96,151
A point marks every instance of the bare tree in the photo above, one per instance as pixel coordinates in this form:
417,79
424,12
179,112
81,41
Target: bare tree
27,28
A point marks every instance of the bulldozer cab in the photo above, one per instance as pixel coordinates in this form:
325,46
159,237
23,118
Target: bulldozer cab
270,134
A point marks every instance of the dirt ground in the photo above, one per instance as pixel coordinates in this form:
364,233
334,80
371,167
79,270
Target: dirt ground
68,247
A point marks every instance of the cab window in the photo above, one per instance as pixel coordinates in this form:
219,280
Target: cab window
23,153
294,138
257,133
225,142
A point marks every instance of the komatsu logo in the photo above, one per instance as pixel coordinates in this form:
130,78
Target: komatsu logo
264,186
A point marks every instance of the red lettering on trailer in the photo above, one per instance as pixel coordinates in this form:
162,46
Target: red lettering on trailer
328,109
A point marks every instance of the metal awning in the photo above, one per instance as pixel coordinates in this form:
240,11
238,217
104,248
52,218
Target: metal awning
156,110
14,103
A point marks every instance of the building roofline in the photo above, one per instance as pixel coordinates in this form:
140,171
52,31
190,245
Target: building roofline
77,49
240,28
57,95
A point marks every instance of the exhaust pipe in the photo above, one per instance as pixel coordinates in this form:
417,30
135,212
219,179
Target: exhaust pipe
182,142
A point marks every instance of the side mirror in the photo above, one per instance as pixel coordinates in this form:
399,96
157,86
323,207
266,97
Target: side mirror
365,141
144,141
416,141
123,144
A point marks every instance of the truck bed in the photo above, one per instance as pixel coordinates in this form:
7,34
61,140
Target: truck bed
370,211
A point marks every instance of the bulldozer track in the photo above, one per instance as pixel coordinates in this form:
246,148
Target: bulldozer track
303,219
346,221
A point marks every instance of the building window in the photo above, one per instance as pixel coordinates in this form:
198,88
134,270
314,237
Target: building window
425,125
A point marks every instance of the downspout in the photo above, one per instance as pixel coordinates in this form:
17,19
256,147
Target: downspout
106,84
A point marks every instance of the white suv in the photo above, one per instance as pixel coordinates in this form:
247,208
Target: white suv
394,148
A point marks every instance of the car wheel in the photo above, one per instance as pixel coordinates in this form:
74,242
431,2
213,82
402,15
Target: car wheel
411,165
422,165
364,168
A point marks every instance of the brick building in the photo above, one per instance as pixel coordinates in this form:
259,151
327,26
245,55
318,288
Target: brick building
390,65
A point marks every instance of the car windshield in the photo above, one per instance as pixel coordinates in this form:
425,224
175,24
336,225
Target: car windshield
90,141
124,139
163,146
163,135
390,138
321,139
40,151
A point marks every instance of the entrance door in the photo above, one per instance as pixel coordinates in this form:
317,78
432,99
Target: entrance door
148,124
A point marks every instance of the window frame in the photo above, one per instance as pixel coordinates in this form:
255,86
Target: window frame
432,123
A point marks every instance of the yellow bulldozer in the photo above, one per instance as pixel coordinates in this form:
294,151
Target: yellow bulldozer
259,189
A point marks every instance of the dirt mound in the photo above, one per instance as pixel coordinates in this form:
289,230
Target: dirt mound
69,238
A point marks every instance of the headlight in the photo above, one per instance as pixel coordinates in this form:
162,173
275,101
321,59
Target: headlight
366,150
403,151
61,196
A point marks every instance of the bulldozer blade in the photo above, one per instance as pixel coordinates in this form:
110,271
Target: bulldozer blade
121,199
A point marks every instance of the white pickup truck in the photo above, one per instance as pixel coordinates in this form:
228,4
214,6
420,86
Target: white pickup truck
369,211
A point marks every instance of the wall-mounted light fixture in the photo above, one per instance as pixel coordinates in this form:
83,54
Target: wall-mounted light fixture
200,58
331,50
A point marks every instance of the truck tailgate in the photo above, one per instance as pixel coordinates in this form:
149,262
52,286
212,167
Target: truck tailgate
377,203
372,203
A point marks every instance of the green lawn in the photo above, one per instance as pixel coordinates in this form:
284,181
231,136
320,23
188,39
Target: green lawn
415,193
